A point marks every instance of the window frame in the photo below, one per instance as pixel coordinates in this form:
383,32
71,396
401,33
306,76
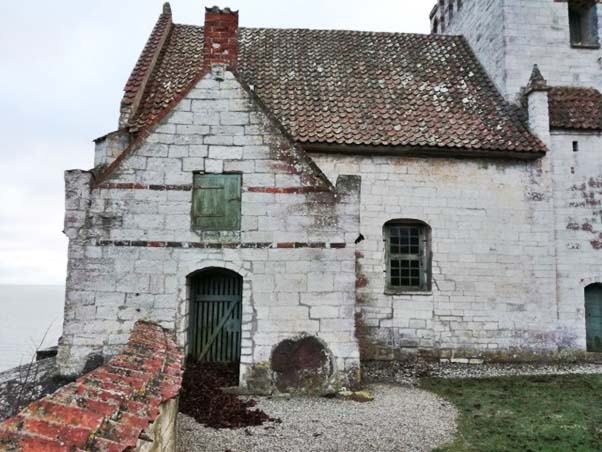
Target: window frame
584,22
424,257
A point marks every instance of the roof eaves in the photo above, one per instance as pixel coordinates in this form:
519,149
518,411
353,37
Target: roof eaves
423,151
575,129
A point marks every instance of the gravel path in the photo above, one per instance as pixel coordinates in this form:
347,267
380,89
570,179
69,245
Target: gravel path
399,419
409,373
510,370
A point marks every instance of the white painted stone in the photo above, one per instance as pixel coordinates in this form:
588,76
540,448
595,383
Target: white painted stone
510,36
110,287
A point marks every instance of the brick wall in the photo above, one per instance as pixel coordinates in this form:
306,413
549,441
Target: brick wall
110,407
132,247
220,42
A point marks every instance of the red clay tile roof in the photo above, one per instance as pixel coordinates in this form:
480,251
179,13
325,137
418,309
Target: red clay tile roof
147,60
356,88
106,409
575,108
179,64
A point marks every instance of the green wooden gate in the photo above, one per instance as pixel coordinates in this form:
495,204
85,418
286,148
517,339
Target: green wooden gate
593,317
215,316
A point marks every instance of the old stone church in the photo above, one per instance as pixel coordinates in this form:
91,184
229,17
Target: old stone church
300,199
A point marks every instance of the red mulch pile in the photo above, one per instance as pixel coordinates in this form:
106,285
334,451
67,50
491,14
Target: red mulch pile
203,399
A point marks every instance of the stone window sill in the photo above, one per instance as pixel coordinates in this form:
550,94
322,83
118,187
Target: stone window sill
585,46
419,293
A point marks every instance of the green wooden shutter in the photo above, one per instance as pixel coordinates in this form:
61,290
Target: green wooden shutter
216,202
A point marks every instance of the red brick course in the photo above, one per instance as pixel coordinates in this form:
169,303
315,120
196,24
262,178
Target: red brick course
107,409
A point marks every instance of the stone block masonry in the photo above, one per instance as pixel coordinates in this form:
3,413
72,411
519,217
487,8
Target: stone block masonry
510,36
578,196
133,249
111,407
493,285
513,242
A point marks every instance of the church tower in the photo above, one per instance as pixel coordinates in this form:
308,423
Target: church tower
509,36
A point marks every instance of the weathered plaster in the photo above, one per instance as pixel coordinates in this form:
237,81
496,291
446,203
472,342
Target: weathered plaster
132,247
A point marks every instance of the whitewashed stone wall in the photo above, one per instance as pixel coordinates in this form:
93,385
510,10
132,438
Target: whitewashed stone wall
510,36
578,193
537,32
539,115
132,247
482,23
494,275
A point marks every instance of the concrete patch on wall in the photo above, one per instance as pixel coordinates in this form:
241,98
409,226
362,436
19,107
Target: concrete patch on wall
302,365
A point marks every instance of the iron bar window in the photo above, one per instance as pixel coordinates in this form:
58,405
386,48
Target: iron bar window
408,256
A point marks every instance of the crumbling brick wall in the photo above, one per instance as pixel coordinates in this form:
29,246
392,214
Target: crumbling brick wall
111,407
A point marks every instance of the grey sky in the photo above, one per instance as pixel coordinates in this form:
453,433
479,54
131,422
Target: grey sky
62,71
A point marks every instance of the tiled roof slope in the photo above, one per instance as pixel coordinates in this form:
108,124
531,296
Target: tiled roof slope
146,63
575,108
107,409
179,64
356,88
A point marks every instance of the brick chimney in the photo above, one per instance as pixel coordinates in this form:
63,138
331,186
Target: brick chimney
220,34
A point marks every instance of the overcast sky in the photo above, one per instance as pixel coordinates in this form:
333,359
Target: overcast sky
63,65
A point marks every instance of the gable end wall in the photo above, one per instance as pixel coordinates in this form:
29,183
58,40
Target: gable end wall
132,247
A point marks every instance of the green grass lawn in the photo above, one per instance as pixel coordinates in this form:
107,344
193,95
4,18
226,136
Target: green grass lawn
545,414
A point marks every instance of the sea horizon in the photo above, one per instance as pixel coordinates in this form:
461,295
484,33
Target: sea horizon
33,318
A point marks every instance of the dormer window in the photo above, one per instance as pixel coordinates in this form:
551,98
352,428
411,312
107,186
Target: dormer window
583,23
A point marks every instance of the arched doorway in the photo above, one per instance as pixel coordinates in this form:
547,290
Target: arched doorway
215,316
593,317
